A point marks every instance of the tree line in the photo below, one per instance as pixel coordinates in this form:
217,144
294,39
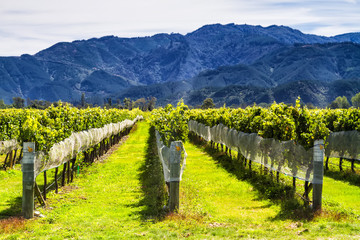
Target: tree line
149,104
141,103
342,102
339,102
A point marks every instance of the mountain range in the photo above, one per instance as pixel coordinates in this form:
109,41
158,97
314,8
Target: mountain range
233,64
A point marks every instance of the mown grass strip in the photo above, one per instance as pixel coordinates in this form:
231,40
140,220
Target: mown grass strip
236,197
342,191
99,203
10,192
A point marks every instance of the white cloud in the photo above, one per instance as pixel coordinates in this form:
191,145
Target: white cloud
30,26
351,1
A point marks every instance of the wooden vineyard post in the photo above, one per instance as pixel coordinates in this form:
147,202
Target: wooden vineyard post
175,159
7,156
14,160
56,180
318,174
63,175
340,164
28,169
11,159
45,185
327,163
68,172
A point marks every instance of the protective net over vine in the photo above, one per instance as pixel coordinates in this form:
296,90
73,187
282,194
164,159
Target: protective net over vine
345,144
7,146
68,149
164,154
283,156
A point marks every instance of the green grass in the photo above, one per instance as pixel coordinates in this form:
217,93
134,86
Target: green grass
123,198
10,192
278,218
342,188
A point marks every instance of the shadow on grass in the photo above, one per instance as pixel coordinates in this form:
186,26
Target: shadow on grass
347,176
266,186
153,184
14,209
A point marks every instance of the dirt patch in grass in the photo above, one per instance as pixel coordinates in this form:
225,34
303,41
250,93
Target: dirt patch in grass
102,158
183,217
12,224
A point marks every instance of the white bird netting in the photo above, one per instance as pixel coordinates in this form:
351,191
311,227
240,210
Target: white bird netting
68,149
7,146
283,156
345,144
164,154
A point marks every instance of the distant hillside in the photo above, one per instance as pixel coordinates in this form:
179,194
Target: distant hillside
316,62
325,62
214,56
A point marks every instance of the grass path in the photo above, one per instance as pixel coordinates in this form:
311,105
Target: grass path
101,203
10,192
122,198
342,189
236,208
341,195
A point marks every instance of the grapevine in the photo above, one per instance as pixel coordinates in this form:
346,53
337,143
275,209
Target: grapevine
54,124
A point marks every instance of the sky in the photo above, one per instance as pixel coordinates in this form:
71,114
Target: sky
29,26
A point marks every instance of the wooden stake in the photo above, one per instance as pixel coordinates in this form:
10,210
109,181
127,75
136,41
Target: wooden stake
45,183
327,163
11,159
63,175
39,196
294,182
340,164
306,192
20,155
7,156
13,162
72,170
68,172
56,180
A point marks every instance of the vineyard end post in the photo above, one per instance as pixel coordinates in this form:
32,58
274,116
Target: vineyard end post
28,170
175,159
318,174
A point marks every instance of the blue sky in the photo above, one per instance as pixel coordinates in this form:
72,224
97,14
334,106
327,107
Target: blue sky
28,26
